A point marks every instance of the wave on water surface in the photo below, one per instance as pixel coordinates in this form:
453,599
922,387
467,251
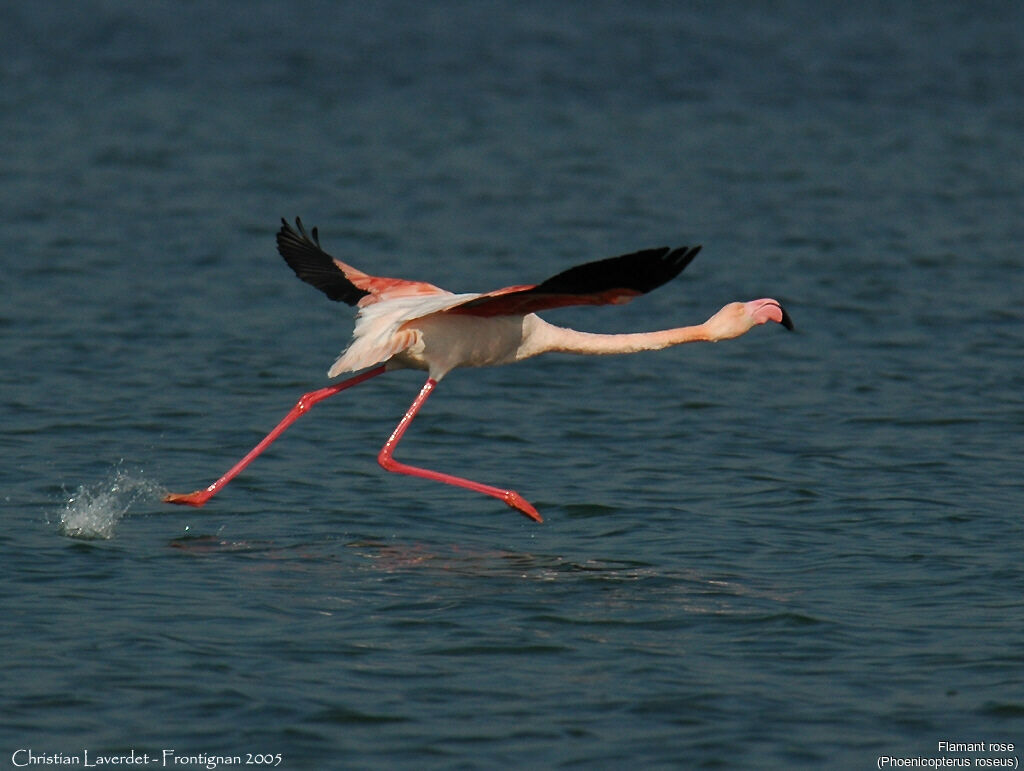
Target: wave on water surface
93,511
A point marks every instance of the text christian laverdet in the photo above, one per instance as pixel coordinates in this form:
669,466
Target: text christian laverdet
26,758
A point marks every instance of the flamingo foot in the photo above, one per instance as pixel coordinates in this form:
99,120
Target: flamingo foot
520,504
197,499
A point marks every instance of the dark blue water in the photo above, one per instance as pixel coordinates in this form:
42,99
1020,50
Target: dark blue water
787,550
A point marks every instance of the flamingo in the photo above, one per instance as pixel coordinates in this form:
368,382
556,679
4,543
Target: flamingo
411,324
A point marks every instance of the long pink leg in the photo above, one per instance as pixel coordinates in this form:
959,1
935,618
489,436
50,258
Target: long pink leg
512,498
199,497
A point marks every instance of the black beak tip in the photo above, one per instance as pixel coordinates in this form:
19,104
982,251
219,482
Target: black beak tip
787,322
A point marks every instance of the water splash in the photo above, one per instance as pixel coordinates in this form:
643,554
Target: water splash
94,510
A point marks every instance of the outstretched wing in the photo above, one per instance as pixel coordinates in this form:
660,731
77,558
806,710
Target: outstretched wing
615,280
336,279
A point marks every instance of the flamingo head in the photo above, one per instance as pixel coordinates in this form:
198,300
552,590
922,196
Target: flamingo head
738,318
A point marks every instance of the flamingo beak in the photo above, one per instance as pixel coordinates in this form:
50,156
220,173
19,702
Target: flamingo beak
763,311
787,322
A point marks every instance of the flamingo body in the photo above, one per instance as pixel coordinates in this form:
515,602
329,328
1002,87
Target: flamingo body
412,324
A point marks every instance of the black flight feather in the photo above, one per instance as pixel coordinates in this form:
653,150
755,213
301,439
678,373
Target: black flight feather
315,266
639,272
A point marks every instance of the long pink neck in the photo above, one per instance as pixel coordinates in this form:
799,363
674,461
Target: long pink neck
551,338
